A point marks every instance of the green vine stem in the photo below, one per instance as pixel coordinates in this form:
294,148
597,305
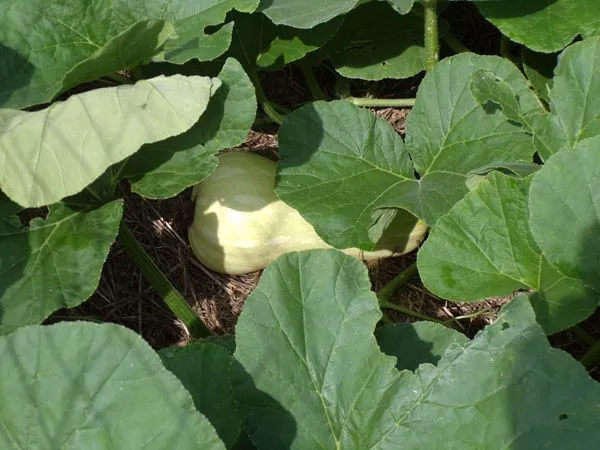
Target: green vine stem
119,78
432,41
261,98
451,41
385,293
583,335
505,50
382,102
410,312
592,356
311,81
161,284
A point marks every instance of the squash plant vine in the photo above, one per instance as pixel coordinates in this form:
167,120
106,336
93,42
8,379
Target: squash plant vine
499,159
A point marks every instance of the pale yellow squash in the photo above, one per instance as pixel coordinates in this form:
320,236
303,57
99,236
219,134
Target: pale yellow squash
240,226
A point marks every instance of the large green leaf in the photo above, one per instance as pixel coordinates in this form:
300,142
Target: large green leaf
483,247
165,168
49,154
43,46
55,263
339,163
83,386
329,385
376,43
543,25
565,212
304,13
205,371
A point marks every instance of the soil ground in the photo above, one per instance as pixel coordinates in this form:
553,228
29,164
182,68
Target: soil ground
124,297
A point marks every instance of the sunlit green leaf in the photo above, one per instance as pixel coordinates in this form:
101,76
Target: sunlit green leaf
49,154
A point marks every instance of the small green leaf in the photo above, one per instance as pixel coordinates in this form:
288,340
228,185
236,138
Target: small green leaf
304,13
55,263
539,68
542,25
417,343
258,43
191,20
49,154
329,385
165,168
83,385
575,96
205,371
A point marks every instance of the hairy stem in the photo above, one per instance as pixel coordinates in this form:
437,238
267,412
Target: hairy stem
432,41
161,284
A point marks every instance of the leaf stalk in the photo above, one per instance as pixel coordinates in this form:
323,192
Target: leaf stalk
161,284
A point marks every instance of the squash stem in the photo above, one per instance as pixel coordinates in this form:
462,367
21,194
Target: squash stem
410,312
261,97
382,102
385,293
313,85
161,284
592,356
432,41
119,78
451,41
583,335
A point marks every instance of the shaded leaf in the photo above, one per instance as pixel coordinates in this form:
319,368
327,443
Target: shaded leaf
205,371
259,43
376,43
55,263
507,384
191,20
84,385
49,154
165,168
417,343
539,68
